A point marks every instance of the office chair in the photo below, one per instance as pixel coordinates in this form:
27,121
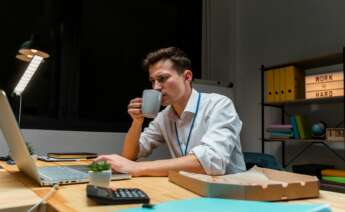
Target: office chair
261,160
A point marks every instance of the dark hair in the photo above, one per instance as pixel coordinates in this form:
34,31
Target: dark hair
179,59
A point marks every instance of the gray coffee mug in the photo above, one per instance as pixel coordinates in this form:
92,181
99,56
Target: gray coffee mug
151,103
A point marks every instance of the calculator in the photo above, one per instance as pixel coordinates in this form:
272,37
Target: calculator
104,195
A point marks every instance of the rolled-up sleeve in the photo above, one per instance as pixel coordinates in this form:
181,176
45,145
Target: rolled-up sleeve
220,139
150,138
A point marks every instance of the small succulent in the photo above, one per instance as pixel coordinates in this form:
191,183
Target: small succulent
99,166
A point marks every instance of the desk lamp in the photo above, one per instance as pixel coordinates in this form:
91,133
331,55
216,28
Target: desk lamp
25,79
30,51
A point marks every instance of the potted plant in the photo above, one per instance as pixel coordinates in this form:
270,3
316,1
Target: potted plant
100,173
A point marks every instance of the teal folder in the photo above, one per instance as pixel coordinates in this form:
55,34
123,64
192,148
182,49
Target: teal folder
227,205
294,127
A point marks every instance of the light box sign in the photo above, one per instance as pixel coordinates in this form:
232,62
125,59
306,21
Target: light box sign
324,85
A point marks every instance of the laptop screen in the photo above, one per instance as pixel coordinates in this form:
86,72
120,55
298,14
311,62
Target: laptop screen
15,140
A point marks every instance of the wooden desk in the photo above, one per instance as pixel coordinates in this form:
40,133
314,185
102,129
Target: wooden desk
14,196
73,197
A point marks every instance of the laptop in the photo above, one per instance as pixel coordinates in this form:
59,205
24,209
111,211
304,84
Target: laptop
45,176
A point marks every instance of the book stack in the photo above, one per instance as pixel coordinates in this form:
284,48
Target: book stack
300,127
334,175
324,85
332,179
280,131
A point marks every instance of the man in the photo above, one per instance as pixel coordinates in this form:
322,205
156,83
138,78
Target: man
201,130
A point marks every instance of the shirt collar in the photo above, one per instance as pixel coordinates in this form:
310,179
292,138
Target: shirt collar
190,107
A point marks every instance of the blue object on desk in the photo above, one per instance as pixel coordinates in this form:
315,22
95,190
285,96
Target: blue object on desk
227,205
10,162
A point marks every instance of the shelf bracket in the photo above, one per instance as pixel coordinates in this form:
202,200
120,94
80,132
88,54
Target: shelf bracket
333,151
297,155
307,147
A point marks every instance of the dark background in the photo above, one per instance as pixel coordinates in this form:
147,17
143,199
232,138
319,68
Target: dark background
96,49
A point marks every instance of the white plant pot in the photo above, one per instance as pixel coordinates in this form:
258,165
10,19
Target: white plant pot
101,179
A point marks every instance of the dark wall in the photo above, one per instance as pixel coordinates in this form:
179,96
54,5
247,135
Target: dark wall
97,48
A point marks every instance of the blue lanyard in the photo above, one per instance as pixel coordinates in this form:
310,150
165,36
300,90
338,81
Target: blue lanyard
190,130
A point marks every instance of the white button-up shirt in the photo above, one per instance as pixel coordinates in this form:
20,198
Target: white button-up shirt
215,137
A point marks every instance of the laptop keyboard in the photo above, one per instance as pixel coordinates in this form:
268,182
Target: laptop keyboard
60,173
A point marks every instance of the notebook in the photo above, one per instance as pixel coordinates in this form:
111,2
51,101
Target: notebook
45,176
72,155
228,205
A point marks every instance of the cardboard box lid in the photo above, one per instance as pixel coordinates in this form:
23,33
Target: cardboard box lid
254,184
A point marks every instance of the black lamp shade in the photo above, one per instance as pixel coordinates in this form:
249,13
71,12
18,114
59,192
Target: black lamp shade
30,48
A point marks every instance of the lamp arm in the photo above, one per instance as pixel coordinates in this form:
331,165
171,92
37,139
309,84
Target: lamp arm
20,110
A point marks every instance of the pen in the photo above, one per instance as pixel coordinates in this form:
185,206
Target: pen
148,205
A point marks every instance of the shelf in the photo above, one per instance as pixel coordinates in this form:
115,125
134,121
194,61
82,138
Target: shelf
326,100
302,65
324,60
310,143
302,140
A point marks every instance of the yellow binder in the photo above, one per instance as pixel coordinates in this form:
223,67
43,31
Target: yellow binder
294,83
282,84
276,87
269,88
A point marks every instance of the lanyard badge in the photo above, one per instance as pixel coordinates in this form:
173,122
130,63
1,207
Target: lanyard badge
184,153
